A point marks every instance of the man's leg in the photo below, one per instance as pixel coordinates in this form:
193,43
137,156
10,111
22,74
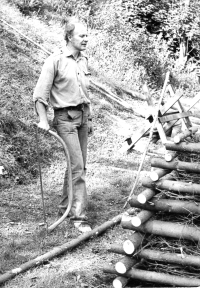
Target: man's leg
68,131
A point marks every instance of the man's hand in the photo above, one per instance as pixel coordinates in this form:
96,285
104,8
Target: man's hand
44,125
90,128
42,113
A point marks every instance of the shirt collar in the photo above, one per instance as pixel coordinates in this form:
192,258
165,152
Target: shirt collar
67,52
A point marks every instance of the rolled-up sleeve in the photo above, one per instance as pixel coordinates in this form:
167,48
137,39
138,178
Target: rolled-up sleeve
45,82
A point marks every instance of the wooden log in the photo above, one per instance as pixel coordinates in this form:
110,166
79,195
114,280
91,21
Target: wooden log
176,165
155,255
167,229
125,264
156,174
167,205
120,282
184,147
116,248
170,155
132,243
181,136
169,185
145,195
141,218
173,258
155,277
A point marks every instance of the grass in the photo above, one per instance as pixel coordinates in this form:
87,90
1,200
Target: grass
110,175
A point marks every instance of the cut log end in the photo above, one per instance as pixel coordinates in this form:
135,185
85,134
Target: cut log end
168,157
135,221
177,139
128,247
120,282
141,198
154,176
120,268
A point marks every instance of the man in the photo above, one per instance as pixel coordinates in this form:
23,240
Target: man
63,82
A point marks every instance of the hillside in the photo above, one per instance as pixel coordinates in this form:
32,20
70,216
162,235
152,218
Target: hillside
110,175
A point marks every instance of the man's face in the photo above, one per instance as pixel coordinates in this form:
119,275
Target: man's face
79,38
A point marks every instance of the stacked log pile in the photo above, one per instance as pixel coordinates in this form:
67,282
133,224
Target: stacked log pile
163,247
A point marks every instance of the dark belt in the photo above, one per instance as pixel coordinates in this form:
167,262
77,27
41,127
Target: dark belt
79,107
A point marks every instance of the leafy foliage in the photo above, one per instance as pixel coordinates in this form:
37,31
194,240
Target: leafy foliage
174,20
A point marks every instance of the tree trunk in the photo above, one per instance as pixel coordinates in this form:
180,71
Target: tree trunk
167,229
169,185
176,165
168,205
184,147
155,277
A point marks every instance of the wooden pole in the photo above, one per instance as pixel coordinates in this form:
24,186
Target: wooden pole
167,229
176,165
155,277
167,205
56,251
184,147
187,133
150,136
169,185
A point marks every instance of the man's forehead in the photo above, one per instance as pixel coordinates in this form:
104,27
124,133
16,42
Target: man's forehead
80,27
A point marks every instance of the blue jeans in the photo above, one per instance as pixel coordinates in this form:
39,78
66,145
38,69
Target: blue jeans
71,126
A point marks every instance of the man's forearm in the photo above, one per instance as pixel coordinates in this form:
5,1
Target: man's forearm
41,111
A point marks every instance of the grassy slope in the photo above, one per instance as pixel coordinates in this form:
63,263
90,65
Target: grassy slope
110,176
